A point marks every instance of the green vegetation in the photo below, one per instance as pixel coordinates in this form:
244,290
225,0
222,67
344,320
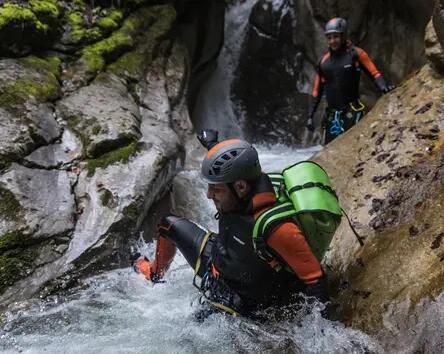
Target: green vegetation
130,211
45,9
96,129
120,155
16,260
40,81
81,126
12,13
97,55
50,64
106,197
79,31
9,206
133,63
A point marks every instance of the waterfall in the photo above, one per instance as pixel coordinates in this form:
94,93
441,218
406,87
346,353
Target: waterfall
214,108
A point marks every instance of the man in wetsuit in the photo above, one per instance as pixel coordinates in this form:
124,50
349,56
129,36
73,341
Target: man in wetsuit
233,277
338,74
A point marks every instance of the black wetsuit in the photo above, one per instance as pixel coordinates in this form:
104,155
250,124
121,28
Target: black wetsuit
231,270
337,75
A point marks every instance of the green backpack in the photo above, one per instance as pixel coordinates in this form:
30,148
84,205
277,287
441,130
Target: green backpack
304,195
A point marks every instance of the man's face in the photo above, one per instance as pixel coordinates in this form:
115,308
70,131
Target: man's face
334,40
223,198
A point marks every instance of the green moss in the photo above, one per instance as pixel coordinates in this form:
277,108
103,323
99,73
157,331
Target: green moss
12,13
46,9
116,15
75,19
97,55
20,91
130,64
131,211
107,24
79,3
106,197
50,64
134,63
11,240
80,33
9,206
39,81
120,155
16,259
96,129
81,126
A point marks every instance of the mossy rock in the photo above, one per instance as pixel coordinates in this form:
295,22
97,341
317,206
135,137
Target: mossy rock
96,56
133,64
106,197
9,206
16,258
131,211
46,11
32,76
80,33
121,155
28,26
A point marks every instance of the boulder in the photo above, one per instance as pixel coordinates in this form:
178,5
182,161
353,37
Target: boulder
103,115
26,118
387,172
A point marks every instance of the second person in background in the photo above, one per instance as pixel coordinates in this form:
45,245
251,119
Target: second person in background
338,75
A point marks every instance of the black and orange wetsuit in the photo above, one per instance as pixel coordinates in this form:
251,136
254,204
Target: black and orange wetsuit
233,274
337,75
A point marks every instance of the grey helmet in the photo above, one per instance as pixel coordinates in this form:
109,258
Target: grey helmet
336,25
229,161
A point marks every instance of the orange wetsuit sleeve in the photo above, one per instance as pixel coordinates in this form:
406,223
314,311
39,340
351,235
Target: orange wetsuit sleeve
289,242
317,85
367,63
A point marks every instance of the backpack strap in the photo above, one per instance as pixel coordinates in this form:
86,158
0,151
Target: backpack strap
262,227
277,180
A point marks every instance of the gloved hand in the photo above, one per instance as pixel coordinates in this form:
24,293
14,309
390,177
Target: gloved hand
382,85
388,88
309,124
208,138
319,291
142,265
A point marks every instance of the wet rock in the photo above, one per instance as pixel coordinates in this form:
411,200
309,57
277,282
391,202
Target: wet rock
394,218
111,122
26,121
45,199
55,155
